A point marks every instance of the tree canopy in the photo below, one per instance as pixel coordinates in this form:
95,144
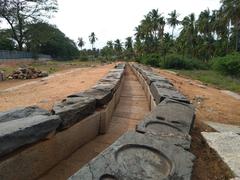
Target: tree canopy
19,13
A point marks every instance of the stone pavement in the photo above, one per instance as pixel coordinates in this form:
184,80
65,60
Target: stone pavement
226,142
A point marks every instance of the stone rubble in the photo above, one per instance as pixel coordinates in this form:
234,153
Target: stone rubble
27,73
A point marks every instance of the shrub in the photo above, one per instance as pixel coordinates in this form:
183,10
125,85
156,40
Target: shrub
175,61
229,65
150,59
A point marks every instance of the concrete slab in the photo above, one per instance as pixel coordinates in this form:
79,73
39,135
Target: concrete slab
227,145
224,127
230,93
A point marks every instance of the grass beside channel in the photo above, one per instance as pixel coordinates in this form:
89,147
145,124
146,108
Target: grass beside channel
213,78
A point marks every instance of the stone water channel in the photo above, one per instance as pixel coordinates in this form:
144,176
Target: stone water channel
132,107
133,124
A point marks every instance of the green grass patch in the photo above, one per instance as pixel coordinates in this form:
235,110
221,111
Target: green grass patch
213,78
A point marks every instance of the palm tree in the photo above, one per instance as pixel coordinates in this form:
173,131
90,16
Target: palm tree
110,45
129,44
92,39
231,9
189,34
173,20
118,46
81,43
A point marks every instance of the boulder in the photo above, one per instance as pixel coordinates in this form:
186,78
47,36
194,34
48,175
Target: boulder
137,156
17,133
73,109
22,113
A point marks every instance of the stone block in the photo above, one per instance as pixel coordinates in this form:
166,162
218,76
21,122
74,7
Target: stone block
19,113
160,93
73,109
102,96
120,66
137,156
17,133
170,132
150,78
179,113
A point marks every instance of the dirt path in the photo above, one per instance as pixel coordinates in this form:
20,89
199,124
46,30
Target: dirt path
211,105
133,106
44,92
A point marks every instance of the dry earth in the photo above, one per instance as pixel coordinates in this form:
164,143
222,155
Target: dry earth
44,92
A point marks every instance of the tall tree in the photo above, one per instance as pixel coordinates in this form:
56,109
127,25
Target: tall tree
81,43
92,39
173,21
129,44
19,13
118,46
231,8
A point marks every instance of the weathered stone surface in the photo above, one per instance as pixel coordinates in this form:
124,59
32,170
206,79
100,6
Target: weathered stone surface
120,66
150,78
179,113
112,87
115,82
160,93
20,132
22,113
163,84
223,127
170,132
114,75
73,109
137,156
102,96
227,145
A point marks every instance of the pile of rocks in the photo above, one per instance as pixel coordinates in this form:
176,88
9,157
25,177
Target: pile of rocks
2,76
27,73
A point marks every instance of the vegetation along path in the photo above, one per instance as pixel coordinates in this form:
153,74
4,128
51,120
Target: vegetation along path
132,107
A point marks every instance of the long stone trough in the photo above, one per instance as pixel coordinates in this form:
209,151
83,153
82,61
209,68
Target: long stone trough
34,140
159,146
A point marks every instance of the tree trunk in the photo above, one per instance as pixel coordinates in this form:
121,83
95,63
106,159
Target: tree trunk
228,35
238,36
173,32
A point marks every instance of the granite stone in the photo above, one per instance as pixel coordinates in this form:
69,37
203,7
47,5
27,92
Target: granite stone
161,93
19,113
73,109
180,114
19,132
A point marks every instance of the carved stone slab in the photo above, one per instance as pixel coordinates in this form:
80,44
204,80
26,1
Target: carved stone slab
137,156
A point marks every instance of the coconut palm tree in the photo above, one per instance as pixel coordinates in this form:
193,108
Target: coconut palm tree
129,44
173,20
92,39
231,9
81,43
